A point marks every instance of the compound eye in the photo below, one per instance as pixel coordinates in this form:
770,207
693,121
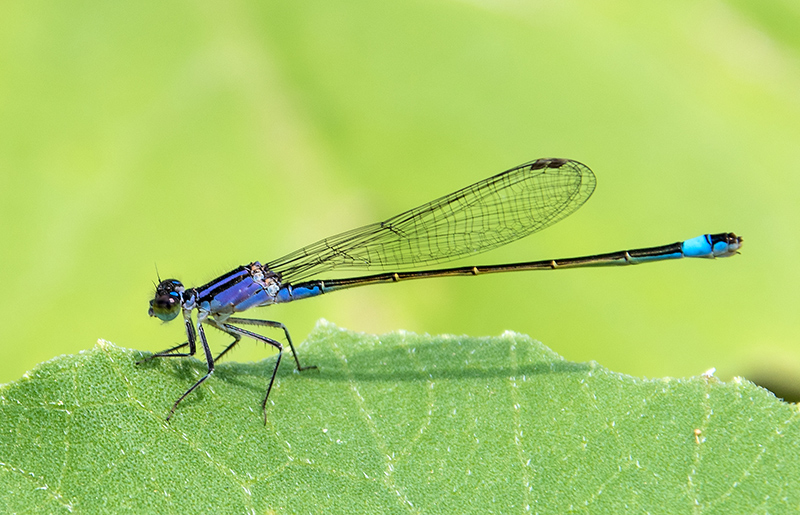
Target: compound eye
167,301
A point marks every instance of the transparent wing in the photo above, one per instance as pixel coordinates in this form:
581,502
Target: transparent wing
472,220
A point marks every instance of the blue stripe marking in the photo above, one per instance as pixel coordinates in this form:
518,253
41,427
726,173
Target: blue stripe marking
697,247
208,288
254,299
239,296
288,293
721,247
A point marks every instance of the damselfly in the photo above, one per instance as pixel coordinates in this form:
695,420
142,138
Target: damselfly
472,220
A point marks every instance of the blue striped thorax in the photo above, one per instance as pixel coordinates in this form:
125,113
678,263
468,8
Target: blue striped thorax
241,289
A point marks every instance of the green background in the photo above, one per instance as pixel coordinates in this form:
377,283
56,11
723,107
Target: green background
200,136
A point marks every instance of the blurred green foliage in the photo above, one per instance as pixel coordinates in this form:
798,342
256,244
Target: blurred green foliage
196,137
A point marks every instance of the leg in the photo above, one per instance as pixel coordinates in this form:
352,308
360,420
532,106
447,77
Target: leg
166,353
233,330
277,325
236,338
237,334
209,360
190,341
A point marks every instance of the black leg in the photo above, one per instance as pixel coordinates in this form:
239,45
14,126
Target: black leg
209,360
270,323
166,353
236,338
238,331
169,354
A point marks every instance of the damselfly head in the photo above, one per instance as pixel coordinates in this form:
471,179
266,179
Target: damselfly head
167,301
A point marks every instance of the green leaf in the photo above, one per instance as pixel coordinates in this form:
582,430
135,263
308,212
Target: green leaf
393,423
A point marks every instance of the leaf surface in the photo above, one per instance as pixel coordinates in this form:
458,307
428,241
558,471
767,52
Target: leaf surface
398,423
